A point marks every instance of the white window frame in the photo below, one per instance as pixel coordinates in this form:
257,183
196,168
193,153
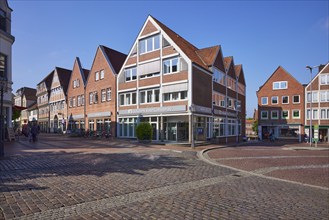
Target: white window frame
261,115
145,96
293,111
102,74
280,85
103,95
170,60
148,50
277,113
326,79
283,112
326,116
96,75
315,116
293,99
261,100
108,94
125,98
130,72
282,100
277,100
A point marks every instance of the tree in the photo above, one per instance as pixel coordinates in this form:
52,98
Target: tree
144,131
16,114
255,126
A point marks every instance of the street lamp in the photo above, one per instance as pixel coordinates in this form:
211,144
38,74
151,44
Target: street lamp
311,103
3,88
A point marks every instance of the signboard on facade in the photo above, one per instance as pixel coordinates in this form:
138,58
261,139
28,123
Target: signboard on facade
99,114
166,109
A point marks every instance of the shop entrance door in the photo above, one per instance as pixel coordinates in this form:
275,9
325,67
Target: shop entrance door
154,131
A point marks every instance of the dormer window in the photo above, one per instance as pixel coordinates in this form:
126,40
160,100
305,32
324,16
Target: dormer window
2,20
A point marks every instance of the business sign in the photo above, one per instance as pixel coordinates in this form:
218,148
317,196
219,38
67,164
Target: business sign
166,109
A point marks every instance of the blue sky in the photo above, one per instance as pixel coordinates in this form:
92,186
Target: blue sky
260,35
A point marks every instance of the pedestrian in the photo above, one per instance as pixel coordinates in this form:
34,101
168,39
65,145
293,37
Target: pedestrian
34,132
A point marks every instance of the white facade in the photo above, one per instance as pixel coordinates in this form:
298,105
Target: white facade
6,42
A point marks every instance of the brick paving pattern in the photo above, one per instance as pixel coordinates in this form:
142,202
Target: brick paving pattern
67,180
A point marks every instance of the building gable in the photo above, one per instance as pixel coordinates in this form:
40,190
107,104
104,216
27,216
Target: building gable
149,28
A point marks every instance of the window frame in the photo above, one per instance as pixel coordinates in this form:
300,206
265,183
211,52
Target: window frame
96,75
277,100
261,100
261,115
287,114
279,83
102,75
277,114
170,60
293,99
287,99
293,111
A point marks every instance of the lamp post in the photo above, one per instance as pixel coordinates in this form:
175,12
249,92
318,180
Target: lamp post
311,103
3,88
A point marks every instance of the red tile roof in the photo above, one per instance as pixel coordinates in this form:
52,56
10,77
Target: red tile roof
115,57
189,49
208,54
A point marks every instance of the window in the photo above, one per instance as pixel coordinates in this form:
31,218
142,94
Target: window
74,103
74,84
219,77
149,96
95,97
323,114
296,114
79,100
3,65
296,99
149,75
78,83
108,94
315,114
264,115
285,114
149,44
130,74
102,74
170,65
315,97
2,20
280,85
83,100
103,95
324,79
264,100
97,76
285,99
274,100
71,102
128,98
175,96
308,112
274,114
91,97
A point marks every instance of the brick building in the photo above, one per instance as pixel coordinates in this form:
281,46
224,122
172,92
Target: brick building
101,90
76,97
319,99
170,83
281,107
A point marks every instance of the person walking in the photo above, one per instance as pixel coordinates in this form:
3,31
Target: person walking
34,132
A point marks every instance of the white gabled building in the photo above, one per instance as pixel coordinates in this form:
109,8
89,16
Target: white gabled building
6,42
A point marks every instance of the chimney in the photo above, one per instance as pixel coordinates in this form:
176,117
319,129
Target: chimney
321,66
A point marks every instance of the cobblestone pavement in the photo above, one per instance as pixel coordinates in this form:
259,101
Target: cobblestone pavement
64,179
